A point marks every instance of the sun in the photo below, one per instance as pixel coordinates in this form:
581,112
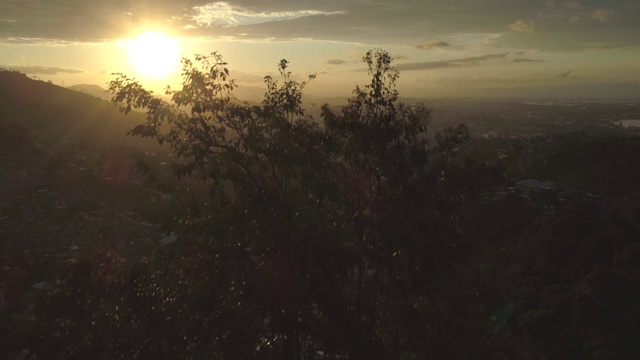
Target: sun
154,55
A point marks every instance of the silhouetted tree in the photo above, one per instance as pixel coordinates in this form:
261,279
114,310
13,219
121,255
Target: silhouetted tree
322,240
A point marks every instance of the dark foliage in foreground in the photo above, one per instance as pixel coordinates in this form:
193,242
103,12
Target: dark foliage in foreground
362,237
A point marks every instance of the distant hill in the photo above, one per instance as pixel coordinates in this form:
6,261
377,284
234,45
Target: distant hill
64,115
92,89
255,95
243,93
251,94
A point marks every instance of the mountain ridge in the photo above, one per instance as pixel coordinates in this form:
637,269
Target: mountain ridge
64,115
92,89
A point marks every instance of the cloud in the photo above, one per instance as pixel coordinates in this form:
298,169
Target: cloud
81,21
334,61
37,41
467,24
525,60
468,61
225,15
573,5
603,14
564,74
568,74
605,45
520,25
431,44
41,70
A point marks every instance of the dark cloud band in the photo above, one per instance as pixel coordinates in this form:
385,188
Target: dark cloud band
41,70
356,21
468,61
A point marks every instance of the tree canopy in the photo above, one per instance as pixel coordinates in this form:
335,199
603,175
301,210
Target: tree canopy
341,222
361,234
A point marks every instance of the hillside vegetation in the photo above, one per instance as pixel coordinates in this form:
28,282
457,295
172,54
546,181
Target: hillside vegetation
63,115
362,234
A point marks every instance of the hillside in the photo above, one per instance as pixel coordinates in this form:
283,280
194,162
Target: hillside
92,89
356,240
63,115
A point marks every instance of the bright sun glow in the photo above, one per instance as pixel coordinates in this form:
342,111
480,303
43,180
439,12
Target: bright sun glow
154,55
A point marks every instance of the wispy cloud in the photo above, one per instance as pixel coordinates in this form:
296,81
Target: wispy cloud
574,5
431,45
520,25
468,61
476,26
334,61
41,70
564,74
41,41
525,60
568,74
603,14
225,15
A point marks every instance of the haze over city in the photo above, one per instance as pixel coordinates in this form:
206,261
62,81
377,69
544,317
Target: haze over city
498,48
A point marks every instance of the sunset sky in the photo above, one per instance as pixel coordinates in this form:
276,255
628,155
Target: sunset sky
522,48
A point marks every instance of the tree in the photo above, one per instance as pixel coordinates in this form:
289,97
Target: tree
335,232
401,192
263,165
